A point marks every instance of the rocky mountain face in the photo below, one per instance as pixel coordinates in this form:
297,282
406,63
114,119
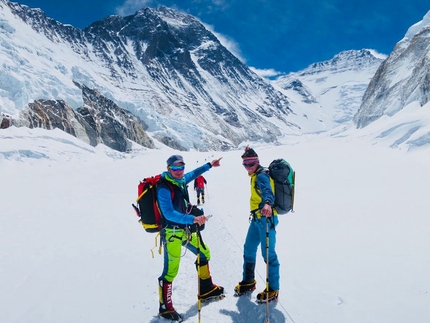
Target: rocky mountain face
161,65
99,120
5,121
404,77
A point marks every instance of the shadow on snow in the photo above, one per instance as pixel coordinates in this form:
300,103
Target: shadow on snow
248,312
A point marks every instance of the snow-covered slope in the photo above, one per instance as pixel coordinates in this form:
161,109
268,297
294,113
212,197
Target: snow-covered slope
403,78
71,249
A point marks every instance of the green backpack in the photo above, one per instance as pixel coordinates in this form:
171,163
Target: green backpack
284,177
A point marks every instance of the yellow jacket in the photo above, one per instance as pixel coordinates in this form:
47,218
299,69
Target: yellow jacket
262,191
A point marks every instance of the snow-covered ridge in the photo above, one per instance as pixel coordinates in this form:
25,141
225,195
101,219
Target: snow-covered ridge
332,90
201,97
400,85
189,92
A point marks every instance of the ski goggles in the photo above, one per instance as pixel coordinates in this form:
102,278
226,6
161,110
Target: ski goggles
177,168
248,163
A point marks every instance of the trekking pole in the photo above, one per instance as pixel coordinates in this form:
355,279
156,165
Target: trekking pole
267,270
293,188
199,303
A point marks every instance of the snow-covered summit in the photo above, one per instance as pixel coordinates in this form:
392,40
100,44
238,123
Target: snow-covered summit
332,89
162,65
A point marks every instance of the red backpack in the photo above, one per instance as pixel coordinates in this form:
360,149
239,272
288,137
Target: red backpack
146,204
200,182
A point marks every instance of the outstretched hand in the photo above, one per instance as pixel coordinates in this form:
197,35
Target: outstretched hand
216,162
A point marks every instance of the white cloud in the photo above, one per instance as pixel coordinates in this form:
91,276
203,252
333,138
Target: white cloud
227,42
377,54
131,6
266,73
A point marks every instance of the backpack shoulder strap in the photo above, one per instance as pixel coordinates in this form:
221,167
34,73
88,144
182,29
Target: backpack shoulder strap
260,170
168,184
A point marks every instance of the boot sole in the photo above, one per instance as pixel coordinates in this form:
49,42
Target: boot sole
249,291
212,298
179,319
264,301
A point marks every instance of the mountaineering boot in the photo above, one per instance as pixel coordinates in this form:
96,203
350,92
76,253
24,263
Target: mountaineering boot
198,200
248,283
166,309
208,290
203,198
267,296
244,288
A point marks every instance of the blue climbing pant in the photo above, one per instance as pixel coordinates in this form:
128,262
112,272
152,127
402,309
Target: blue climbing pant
255,237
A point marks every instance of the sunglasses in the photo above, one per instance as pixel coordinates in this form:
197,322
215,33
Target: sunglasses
177,168
249,164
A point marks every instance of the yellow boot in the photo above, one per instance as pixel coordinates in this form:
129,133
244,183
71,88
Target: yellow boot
208,290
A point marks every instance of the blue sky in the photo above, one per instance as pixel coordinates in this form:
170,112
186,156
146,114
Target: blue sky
274,35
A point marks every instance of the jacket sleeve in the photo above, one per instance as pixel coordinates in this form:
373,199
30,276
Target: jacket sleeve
192,175
165,203
263,182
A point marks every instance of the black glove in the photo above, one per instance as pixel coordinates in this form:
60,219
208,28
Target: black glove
196,212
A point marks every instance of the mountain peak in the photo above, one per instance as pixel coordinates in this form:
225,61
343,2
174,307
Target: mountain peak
160,64
345,60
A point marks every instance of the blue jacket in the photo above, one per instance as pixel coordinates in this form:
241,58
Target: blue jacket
174,210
